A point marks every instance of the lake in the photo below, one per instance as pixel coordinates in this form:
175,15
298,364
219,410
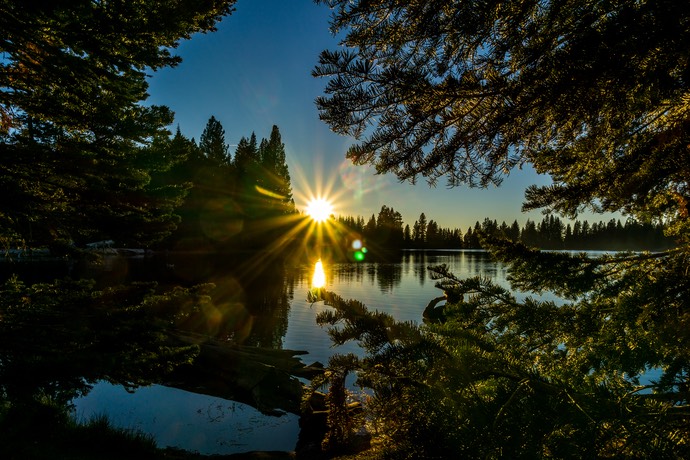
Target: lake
274,312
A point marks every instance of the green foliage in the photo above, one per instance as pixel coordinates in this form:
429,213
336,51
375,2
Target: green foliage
419,230
400,358
76,141
212,143
501,377
594,94
239,203
275,177
43,429
389,228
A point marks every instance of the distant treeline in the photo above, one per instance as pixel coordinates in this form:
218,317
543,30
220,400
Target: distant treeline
387,231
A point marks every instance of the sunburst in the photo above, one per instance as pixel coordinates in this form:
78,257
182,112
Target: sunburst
319,209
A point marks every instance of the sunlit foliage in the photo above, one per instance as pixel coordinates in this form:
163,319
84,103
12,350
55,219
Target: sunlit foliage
495,376
594,94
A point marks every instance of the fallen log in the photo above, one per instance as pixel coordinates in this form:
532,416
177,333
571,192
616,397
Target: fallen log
266,379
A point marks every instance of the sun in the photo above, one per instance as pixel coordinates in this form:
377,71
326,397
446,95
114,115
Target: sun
319,209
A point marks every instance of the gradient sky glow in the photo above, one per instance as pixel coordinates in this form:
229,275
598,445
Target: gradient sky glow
255,72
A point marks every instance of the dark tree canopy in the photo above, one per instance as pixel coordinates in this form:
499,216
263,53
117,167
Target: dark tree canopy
212,142
593,93
237,201
64,60
276,177
77,144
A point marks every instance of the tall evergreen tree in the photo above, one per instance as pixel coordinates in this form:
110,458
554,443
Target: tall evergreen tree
212,143
432,234
247,157
247,171
74,131
389,228
419,233
369,230
514,231
276,177
187,172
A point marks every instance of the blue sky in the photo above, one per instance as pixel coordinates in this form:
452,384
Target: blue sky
255,72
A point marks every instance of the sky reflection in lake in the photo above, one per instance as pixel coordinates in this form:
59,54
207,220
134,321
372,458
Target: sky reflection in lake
215,426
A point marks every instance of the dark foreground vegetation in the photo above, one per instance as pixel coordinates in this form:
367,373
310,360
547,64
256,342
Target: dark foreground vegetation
594,94
45,431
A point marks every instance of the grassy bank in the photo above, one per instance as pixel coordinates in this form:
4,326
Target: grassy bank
38,430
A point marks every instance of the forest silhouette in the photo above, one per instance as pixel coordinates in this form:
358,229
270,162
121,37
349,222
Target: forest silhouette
594,95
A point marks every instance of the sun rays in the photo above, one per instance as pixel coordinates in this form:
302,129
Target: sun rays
314,231
319,209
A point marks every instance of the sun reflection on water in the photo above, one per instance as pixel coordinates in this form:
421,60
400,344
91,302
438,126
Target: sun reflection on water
318,280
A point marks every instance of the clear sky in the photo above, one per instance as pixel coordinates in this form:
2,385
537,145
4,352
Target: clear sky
255,72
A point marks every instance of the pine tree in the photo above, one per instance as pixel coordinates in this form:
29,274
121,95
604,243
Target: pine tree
275,175
212,143
419,233
247,173
594,94
514,231
74,134
407,236
247,158
369,230
187,172
388,233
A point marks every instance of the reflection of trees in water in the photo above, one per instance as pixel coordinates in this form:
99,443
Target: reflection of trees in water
371,273
388,276
420,267
56,339
348,273
268,302
482,263
248,307
249,304
407,257
384,275
476,260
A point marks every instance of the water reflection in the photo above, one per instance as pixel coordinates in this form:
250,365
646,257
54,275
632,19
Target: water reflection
388,276
268,308
318,280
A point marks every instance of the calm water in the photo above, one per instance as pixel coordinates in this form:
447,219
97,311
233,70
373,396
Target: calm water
283,318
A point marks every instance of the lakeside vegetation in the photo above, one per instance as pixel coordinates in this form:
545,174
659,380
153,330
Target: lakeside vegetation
84,159
594,95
